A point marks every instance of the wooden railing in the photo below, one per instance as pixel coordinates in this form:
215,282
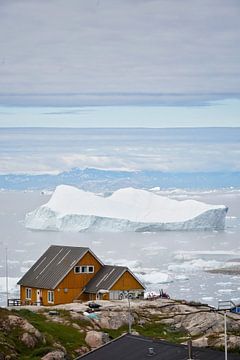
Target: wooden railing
14,302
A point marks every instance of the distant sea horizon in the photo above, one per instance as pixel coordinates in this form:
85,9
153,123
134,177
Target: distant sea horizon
101,159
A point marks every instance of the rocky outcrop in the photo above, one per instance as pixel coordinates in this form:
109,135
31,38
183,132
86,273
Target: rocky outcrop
203,324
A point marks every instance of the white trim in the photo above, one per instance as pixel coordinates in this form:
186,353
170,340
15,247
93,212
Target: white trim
50,296
80,267
28,291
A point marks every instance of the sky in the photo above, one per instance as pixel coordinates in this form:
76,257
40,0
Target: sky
143,63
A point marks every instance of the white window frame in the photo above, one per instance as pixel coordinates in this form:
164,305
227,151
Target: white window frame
28,294
50,296
90,272
79,271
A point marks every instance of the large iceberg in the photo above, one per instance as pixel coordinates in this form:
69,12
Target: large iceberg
72,209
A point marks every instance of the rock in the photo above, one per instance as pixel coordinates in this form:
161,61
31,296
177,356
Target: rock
28,340
134,332
54,355
114,320
81,351
95,339
76,326
200,342
218,341
15,321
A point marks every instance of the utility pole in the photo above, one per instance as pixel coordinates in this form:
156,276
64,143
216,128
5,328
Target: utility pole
6,269
225,305
129,315
225,333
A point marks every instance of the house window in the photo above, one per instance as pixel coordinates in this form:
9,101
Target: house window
50,296
83,269
86,269
28,293
77,269
91,269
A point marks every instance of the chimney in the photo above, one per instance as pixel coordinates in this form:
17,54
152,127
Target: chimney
190,352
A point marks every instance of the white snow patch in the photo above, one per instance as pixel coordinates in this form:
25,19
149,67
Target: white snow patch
72,209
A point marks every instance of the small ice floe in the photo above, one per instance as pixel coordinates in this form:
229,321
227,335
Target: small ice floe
195,265
207,298
133,265
183,256
223,291
181,277
184,289
227,283
155,277
153,249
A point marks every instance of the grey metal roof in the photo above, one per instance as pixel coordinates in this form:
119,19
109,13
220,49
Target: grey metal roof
53,266
105,278
132,347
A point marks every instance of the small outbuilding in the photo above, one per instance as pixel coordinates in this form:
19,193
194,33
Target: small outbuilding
64,274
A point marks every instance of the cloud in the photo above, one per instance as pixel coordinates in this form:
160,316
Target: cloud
111,52
172,150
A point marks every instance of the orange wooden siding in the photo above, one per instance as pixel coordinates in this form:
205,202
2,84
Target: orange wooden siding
127,282
70,288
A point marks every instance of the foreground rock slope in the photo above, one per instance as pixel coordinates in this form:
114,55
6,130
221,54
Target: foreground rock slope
72,209
66,331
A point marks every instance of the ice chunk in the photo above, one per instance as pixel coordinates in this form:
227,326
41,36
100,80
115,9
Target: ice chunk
72,209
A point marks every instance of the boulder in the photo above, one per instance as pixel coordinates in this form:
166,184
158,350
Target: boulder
114,320
16,321
94,339
54,355
233,341
28,340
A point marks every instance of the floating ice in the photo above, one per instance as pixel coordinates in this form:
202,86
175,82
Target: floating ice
155,277
195,265
72,209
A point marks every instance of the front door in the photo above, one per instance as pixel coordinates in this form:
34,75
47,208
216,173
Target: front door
39,297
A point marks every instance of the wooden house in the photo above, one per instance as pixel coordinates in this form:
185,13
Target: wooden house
64,274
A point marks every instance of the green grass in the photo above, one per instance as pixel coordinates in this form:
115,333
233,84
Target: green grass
161,331
114,333
151,329
65,335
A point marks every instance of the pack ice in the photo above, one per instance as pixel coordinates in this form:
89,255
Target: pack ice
72,209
